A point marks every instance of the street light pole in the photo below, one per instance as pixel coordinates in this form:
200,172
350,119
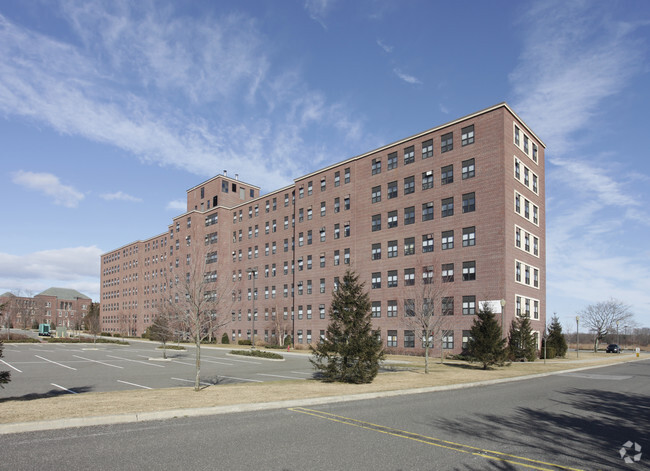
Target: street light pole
253,273
577,336
618,337
503,308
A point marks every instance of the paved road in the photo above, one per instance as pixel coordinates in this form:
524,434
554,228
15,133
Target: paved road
39,370
571,421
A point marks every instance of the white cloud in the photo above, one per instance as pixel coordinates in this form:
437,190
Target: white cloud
177,205
407,78
318,10
120,196
50,185
387,48
75,267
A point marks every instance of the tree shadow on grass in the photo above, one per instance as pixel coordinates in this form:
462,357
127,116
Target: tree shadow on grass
585,428
50,393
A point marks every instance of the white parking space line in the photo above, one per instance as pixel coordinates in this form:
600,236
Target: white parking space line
245,361
41,350
136,361
217,362
133,384
183,363
97,361
12,367
192,381
59,364
302,373
279,376
65,389
241,379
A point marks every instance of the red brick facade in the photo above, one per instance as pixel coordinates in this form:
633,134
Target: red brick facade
302,237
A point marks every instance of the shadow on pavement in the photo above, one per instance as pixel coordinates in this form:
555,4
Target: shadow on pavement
50,393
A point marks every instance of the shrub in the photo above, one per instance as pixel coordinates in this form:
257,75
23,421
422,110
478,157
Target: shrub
257,353
224,339
105,334
244,342
287,341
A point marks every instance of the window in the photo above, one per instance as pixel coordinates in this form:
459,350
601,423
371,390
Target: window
409,185
346,229
469,271
322,288
469,203
310,188
447,207
427,149
448,306
322,260
376,222
427,211
323,184
447,175
468,169
409,155
322,209
391,339
448,340
392,219
346,256
525,144
427,180
376,309
469,236
534,152
376,194
469,305
392,160
409,339
409,215
337,231
447,272
392,248
517,135
447,142
322,234
376,280
427,243
409,246
447,240
392,309
409,308
337,205
392,278
409,276
346,203
376,251
467,135
392,190
337,178
337,257
376,166
346,175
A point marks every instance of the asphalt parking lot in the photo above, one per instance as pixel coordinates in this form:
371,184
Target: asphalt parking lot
41,370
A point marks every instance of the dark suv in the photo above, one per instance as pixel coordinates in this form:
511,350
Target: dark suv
613,348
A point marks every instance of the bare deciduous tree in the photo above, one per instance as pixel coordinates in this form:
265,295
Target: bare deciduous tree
421,300
601,317
92,321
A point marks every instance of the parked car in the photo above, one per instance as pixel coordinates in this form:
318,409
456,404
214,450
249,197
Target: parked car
613,348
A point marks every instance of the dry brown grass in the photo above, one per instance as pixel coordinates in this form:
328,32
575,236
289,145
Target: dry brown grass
122,402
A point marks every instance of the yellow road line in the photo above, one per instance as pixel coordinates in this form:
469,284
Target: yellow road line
483,453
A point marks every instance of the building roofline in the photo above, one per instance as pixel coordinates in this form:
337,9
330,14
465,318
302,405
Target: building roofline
225,177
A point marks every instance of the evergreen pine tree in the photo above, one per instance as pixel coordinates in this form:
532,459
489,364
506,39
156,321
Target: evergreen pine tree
485,344
5,376
521,342
351,351
555,338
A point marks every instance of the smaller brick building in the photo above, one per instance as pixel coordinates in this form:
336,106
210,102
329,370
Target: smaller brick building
58,306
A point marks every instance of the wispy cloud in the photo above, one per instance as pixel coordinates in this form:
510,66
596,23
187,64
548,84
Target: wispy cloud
177,205
406,77
120,196
387,48
318,10
219,65
49,185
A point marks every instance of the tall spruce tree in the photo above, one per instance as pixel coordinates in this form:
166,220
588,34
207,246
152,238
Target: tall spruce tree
5,376
485,344
351,351
521,342
555,339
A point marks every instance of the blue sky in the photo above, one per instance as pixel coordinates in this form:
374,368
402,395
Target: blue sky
109,111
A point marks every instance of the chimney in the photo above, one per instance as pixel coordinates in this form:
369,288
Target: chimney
237,176
225,173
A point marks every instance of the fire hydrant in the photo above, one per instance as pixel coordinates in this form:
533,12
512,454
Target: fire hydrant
288,348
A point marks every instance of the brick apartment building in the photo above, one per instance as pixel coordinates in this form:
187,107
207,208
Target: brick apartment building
58,306
460,206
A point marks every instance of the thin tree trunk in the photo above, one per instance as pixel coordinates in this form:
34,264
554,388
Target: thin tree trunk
198,358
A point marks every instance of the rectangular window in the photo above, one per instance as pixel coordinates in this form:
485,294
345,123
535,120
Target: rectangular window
427,180
427,149
376,251
346,175
376,309
447,272
392,160
376,222
447,175
469,305
337,205
392,190
448,340
447,240
392,219
392,248
391,339
323,184
469,271
337,178
409,276
467,135
392,309
448,306
323,209
427,211
376,166
409,155
427,243
516,135
322,286
409,339
409,185
447,142
376,194
468,169
392,278
409,246
376,280
409,215
447,207
469,236
469,202
534,152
